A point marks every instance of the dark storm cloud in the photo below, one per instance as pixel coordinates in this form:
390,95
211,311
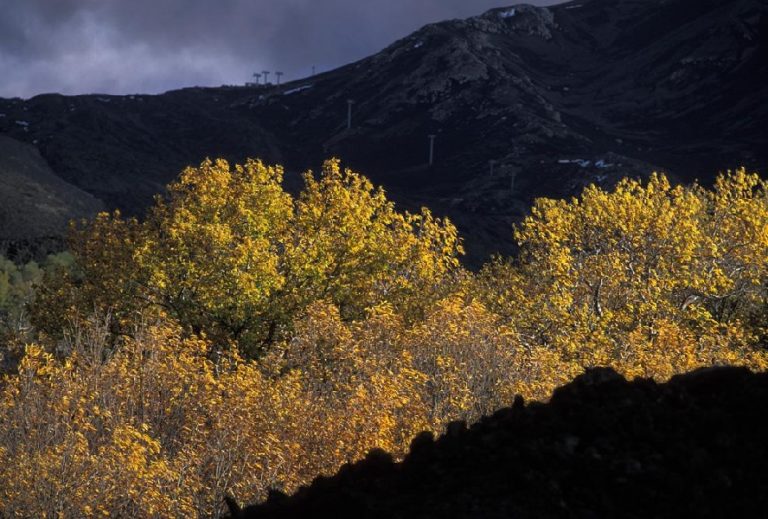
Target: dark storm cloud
122,46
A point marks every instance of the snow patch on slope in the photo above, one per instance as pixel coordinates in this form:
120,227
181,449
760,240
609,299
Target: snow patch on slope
297,90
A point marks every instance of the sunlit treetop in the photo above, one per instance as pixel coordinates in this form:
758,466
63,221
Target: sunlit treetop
229,253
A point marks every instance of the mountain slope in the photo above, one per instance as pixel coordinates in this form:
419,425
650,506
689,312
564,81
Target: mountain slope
35,204
558,97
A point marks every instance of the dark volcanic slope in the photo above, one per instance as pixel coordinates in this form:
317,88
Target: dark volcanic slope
602,447
587,91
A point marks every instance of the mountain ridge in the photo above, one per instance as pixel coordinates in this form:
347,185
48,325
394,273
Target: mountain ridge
558,97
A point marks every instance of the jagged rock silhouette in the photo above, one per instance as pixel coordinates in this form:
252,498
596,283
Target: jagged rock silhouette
602,447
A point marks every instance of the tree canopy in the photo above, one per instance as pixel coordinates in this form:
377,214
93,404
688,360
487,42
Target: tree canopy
240,338
229,253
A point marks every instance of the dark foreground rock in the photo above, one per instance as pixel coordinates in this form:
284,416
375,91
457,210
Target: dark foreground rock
696,446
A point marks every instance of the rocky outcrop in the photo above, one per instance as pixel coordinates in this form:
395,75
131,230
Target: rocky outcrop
602,447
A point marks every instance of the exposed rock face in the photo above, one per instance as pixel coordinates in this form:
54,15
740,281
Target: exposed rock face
602,447
558,97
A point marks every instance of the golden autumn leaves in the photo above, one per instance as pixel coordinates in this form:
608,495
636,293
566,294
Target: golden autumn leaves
619,277
231,254
240,338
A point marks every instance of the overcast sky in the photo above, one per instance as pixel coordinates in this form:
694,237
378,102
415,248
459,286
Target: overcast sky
150,46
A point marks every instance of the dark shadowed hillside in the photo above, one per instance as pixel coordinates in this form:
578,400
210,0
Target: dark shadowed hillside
558,97
602,447
35,204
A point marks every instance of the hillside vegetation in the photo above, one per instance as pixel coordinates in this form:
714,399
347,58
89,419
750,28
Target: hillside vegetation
240,338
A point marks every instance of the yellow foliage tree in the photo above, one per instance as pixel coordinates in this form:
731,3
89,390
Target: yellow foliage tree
229,253
375,332
616,278
150,427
